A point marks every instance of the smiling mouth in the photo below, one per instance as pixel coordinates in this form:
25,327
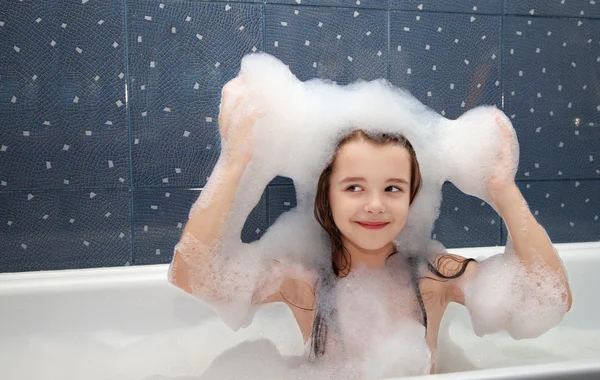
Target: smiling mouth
372,225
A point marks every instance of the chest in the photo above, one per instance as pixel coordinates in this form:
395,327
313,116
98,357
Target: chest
373,310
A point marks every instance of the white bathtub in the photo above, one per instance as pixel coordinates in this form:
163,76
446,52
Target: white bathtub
129,323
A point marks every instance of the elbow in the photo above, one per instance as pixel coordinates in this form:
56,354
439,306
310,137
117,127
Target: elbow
568,298
178,275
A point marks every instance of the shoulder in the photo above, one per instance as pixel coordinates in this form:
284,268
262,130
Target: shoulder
449,266
450,273
293,285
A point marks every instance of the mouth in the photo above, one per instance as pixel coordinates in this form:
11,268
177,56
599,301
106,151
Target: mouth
372,225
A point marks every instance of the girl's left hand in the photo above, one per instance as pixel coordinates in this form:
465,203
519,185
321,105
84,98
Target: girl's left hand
503,174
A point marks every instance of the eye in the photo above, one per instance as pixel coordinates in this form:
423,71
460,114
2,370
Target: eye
353,188
394,189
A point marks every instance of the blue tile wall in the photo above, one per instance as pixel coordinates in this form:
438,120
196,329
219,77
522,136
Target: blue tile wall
463,6
381,4
108,109
450,62
565,8
181,53
341,44
466,221
282,198
57,229
62,95
554,103
161,214
568,210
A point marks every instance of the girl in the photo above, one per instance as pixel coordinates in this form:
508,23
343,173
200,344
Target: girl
362,203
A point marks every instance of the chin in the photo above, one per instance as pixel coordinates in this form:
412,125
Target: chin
370,240
371,244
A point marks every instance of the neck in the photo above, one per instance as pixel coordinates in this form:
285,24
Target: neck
360,257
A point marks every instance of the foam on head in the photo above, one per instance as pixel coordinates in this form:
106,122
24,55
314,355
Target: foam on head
306,120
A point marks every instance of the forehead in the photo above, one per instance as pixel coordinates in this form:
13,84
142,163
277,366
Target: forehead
364,159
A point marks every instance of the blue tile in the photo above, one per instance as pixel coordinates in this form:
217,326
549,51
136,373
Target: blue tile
180,58
377,4
465,6
282,181
159,218
581,8
551,74
450,62
63,118
466,221
161,215
569,211
257,222
503,233
338,44
57,229
282,198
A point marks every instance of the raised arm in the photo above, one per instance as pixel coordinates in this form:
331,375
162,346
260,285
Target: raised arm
197,261
525,290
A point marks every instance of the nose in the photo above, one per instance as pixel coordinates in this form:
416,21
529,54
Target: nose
374,205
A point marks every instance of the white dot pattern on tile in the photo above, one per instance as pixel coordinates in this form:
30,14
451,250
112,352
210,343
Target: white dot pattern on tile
315,42
546,98
463,44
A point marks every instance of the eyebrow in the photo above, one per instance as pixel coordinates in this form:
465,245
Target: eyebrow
361,179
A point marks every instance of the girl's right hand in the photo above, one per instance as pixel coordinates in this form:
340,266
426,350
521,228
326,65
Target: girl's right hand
236,121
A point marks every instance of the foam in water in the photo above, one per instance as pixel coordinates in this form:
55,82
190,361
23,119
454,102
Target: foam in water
296,137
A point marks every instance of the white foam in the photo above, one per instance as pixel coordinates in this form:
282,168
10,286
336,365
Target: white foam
379,324
306,120
505,295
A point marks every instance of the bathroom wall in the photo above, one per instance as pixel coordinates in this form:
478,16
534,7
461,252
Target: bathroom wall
108,109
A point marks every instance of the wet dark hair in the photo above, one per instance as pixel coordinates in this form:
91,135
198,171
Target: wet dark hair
442,267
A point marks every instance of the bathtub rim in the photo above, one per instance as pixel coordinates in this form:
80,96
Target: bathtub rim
140,275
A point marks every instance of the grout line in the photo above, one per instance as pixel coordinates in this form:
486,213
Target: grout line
263,15
389,41
502,63
130,130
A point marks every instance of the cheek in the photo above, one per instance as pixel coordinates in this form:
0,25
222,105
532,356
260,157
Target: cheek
340,210
400,210
344,211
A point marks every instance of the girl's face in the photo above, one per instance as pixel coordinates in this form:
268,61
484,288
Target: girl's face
369,193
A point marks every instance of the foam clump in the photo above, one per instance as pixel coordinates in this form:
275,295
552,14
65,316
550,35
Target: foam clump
306,120
233,278
505,295
370,341
394,343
